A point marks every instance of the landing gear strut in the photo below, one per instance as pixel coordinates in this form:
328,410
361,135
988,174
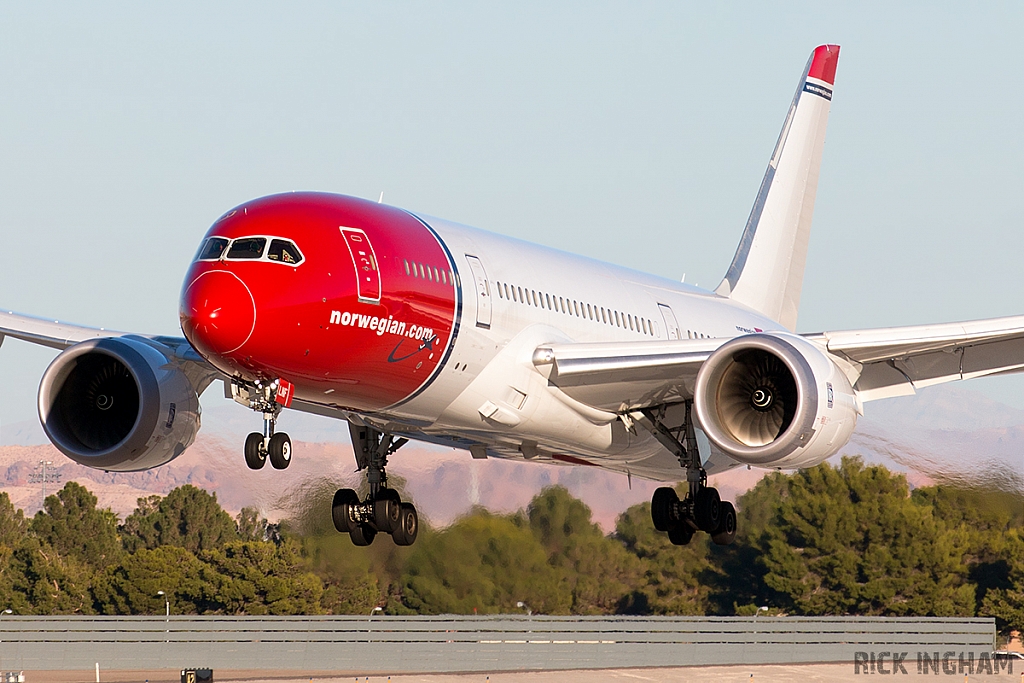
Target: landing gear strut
383,510
270,444
702,509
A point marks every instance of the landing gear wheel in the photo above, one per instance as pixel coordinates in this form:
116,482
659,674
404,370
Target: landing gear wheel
255,456
280,450
341,510
387,510
408,525
725,534
662,504
680,534
362,534
707,509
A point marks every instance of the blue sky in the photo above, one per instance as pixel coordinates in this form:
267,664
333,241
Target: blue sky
632,132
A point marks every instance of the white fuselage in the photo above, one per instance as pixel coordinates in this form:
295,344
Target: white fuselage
489,390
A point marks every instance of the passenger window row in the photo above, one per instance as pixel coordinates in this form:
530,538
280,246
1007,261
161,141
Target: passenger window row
579,309
249,249
429,273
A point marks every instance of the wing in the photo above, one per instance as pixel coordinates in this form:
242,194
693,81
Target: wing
894,361
60,335
880,363
624,376
52,333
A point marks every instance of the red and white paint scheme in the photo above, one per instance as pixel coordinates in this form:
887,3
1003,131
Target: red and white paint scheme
412,327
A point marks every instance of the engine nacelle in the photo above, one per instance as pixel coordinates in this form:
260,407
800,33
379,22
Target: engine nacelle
775,400
118,404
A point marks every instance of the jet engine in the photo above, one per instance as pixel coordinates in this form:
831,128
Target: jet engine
118,404
775,400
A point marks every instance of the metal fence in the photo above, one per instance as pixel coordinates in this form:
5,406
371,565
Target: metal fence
383,644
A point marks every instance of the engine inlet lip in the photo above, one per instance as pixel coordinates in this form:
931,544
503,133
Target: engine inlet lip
706,389
145,422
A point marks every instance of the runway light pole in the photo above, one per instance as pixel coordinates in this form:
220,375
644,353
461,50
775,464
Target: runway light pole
167,605
5,613
759,610
370,627
167,612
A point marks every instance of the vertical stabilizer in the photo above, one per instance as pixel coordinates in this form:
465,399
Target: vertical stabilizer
767,271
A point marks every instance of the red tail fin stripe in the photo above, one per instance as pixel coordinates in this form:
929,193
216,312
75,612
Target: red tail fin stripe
823,64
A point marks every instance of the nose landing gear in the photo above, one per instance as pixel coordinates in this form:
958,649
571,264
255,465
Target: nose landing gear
276,446
383,510
702,509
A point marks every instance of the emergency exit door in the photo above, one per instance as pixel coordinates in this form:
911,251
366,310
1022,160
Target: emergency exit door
365,263
671,325
483,292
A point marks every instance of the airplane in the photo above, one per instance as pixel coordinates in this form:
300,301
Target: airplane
411,327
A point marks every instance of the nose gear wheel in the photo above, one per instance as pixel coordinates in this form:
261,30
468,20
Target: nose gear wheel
279,450
255,453
277,446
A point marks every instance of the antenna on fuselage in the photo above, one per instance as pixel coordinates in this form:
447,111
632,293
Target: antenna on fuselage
381,200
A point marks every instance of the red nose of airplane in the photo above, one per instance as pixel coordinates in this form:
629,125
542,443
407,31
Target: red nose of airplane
217,312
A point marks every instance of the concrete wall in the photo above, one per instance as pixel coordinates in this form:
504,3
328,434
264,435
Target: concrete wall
455,643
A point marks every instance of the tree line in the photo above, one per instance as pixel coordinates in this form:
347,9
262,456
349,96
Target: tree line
830,540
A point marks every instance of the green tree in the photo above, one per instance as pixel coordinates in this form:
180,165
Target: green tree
737,577
139,524
44,581
483,563
12,535
352,580
131,586
1007,604
71,525
849,540
12,522
674,578
257,577
253,527
188,517
600,574
355,580
986,518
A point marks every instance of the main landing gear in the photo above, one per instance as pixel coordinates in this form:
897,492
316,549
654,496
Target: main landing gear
270,444
702,509
383,510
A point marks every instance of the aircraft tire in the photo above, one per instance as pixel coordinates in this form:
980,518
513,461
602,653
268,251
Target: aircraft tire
387,510
662,502
362,535
408,527
255,456
341,510
707,509
725,534
680,534
280,450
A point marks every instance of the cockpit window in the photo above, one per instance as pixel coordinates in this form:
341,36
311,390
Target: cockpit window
212,250
283,251
250,249
247,248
